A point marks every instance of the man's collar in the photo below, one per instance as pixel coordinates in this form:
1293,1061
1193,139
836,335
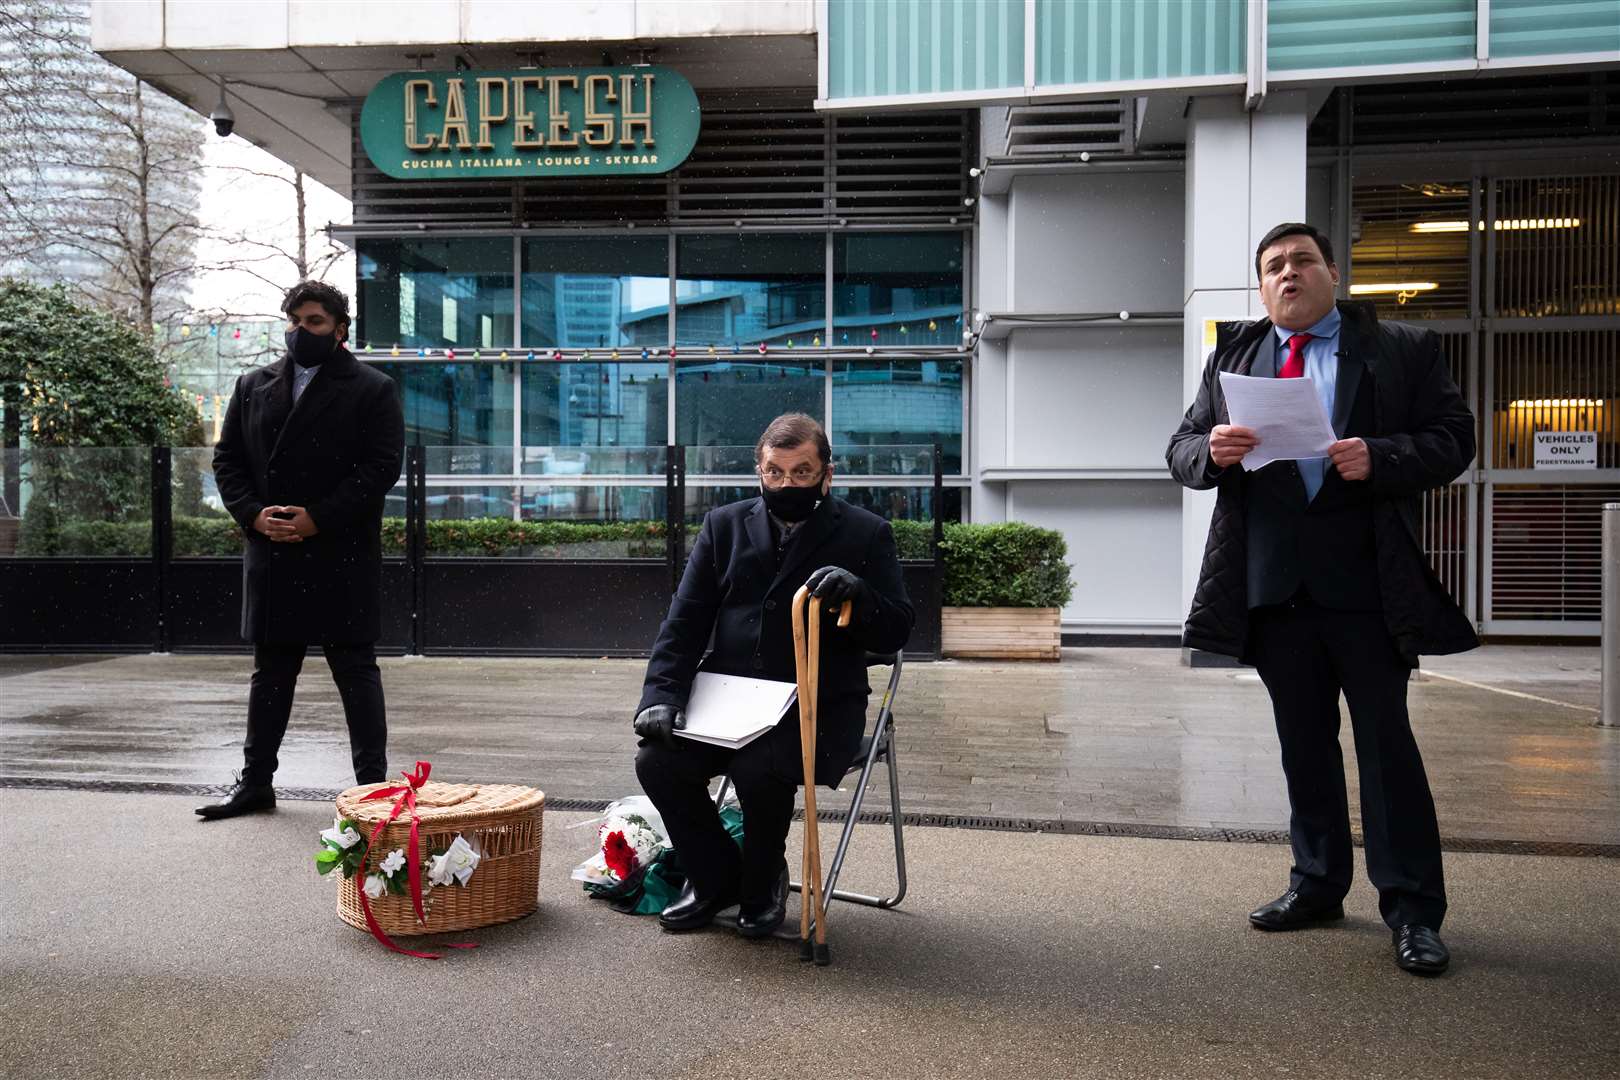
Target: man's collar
1326,328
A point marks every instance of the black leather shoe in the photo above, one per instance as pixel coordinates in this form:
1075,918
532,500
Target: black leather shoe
761,920
688,912
1420,951
244,798
1290,911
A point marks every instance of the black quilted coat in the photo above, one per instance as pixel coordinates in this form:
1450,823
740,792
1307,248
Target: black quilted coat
1423,438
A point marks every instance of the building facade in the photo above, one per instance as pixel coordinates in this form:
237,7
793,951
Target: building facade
1005,227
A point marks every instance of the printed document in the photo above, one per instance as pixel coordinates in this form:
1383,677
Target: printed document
1285,413
733,711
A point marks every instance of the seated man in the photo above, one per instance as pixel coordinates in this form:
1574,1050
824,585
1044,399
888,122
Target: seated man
749,560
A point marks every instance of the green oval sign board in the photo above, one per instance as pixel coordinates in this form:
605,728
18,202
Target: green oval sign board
428,125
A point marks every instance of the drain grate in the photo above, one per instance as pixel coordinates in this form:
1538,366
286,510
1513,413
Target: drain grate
1132,830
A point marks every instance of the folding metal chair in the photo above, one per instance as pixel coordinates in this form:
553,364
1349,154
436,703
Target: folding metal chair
875,747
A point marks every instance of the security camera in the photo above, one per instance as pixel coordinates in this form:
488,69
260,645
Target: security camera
224,120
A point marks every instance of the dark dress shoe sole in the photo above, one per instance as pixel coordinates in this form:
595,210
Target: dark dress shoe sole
1299,922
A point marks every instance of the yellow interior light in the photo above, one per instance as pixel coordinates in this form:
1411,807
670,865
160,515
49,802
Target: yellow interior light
1503,225
1371,288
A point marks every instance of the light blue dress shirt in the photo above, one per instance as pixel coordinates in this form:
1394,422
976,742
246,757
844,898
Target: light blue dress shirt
1322,368
302,377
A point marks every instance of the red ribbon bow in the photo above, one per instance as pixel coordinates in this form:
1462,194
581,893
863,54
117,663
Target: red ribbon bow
406,798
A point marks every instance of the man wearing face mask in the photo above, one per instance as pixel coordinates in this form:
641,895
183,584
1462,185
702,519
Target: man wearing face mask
310,447
748,561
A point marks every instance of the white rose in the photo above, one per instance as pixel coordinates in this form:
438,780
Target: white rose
391,865
343,838
461,860
375,886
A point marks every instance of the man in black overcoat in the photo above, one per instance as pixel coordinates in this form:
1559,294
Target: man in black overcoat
748,561
310,448
1313,572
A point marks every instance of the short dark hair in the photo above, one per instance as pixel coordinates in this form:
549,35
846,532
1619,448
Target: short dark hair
790,430
328,296
1293,228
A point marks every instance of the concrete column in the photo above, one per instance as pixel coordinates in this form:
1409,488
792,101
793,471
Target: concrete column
1245,173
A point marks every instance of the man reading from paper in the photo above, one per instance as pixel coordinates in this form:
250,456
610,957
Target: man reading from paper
749,559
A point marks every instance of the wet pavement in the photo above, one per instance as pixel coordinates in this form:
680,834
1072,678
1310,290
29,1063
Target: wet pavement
1125,736
146,943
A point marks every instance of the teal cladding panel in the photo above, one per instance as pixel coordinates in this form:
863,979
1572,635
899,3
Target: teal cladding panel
1105,41
878,48
1306,34
1551,27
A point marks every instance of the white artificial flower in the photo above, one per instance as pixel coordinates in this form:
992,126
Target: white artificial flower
375,886
343,838
461,860
438,871
391,865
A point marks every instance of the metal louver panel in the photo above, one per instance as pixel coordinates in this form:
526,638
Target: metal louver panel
759,160
1498,109
1558,246
1554,381
1547,557
1413,234
1099,126
1446,525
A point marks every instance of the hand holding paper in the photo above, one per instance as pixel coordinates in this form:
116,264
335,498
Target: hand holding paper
1286,414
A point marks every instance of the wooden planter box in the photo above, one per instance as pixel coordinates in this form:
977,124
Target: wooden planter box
1001,633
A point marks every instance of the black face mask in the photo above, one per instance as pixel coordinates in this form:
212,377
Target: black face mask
310,350
791,503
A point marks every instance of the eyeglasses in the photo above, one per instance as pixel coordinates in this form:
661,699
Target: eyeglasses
802,476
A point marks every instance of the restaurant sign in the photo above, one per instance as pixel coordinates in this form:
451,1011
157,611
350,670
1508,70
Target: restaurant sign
533,122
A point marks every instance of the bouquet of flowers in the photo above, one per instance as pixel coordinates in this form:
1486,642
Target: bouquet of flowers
344,848
630,837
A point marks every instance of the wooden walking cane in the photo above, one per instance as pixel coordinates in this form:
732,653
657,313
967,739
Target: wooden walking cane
807,666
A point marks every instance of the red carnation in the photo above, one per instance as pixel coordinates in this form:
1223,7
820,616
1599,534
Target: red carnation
620,856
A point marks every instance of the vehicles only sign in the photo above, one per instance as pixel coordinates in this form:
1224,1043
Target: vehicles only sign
1566,449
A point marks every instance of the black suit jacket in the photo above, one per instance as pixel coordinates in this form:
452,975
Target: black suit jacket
337,453
1420,436
734,591
1325,544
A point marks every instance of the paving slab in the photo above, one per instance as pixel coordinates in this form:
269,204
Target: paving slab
145,943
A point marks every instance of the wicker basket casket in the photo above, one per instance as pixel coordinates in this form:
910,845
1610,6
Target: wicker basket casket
502,821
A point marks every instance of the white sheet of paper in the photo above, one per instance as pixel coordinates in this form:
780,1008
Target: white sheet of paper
730,710
1285,413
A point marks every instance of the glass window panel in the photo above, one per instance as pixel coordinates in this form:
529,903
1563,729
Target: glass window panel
435,294
887,402
596,292
201,525
460,404
742,290
724,402
595,404
77,501
905,286
909,503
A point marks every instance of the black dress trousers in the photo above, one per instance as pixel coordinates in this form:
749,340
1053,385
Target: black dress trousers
766,773
1306,655
270,697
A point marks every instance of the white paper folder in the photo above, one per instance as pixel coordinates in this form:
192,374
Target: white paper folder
733,711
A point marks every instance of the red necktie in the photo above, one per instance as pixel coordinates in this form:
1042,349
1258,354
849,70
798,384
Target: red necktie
1294,366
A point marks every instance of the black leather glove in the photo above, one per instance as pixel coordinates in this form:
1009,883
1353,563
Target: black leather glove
834,585
659,723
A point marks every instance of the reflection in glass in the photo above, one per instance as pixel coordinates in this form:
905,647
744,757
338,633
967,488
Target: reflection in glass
888,402
201,525
743,290
459,404
78,501
723,402
435,293
596,292
595,404
905,286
